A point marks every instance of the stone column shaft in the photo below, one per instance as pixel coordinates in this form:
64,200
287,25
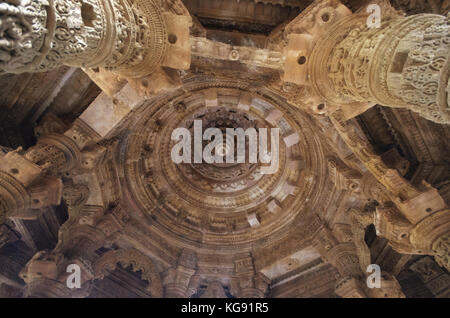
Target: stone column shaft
127,36
403,63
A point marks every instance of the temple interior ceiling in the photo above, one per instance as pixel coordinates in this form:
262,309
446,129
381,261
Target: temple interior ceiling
92,91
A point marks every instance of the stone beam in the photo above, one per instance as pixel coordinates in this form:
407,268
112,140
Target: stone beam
202,47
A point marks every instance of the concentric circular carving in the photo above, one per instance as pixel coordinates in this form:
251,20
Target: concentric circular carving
224,176
223,204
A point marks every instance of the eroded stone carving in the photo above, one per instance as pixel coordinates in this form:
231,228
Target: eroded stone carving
128,36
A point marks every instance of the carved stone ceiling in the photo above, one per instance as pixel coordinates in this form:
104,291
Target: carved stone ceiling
227,212
210,208
207,205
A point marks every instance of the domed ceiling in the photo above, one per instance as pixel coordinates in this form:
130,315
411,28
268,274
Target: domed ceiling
223,206
87,169
224,212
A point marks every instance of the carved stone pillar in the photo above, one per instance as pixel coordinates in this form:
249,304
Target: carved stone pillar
57,153
81,242
248,283
343,256
89,227
403,63
344,177
390,288
127,36
414,220
392,225
24,186
13,196
30,179
80,237
372,189
432,236
177,280
342,60
436,279
46,276
389,284
429,236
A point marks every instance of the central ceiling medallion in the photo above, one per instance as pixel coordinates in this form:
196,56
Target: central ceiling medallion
222,204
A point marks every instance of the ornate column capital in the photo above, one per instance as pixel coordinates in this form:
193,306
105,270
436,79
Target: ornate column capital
177,280
31,179
46,276
13,196
344,177
132,38
432,236
434,277
350,287
342,61
248,283
390,288
404,63
54,153
344,257
389,284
